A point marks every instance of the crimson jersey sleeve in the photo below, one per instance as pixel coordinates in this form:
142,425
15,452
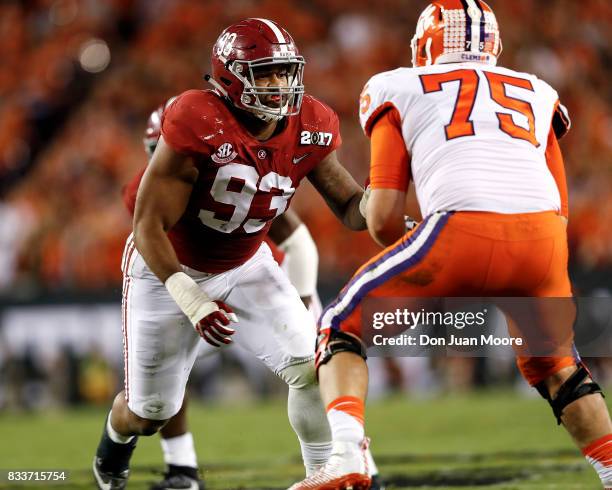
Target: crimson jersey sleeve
130,191
334,128
320,130
183,126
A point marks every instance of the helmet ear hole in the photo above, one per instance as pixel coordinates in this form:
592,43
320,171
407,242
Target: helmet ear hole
226,81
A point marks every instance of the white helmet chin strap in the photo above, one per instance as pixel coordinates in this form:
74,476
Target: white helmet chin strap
265,116
218,87
253,110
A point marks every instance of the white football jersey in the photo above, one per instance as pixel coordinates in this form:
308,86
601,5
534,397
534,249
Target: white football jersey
476,134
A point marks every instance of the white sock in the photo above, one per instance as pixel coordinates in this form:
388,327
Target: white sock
599,454
315,455
114,435
307,417
180,451
344,427
604,472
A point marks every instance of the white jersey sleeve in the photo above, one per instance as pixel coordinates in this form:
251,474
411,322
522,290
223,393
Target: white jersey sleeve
377,96
476,134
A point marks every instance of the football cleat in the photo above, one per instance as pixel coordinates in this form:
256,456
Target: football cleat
112,462
377,483
180,477
109,481
346,469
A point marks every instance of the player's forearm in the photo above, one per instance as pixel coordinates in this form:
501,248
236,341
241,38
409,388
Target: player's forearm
284,226
156,249
385,215
340,191
351,215
388,233
209,318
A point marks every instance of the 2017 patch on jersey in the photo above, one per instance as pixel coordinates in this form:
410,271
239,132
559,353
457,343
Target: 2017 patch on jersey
319,138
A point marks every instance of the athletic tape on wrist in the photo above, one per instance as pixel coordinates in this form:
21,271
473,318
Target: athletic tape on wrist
194,302
363,203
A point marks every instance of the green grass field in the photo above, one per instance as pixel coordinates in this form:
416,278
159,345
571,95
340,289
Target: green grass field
480,441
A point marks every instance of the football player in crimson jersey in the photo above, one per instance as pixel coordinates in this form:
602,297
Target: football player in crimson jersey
480,143
296,253
228,162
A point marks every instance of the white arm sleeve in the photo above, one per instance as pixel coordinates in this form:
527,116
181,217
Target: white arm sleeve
302,260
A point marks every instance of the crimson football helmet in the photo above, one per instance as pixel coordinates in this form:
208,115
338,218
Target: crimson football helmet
153,131
452,31
251,45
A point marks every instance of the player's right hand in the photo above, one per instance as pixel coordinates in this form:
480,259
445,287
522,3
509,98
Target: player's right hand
213,328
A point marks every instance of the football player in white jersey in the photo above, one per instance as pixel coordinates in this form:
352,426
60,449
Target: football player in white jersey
480,143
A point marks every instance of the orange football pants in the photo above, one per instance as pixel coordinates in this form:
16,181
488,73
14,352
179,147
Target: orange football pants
465,254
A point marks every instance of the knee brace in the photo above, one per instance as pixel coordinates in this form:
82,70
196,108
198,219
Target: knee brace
299,376
571,390
330,342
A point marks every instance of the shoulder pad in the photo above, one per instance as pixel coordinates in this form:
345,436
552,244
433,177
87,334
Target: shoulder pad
376,97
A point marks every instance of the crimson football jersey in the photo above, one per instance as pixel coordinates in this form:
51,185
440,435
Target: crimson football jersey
277,253
243,183
129,198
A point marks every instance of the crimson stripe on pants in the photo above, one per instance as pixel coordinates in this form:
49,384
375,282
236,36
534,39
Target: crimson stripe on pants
124,318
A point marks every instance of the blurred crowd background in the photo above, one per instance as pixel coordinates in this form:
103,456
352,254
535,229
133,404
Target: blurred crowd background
79,78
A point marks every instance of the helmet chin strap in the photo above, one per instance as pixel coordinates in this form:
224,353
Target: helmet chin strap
216,85
264,116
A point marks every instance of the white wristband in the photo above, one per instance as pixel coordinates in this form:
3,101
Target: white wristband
191,299
363,204
302,260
